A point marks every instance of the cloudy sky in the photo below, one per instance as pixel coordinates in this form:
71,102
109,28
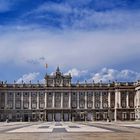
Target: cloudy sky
91,39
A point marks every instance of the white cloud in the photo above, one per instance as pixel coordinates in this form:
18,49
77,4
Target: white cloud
104,75
28,77
82,50
111,74
42,81
54,7
116,20
77,15
76,73
88,48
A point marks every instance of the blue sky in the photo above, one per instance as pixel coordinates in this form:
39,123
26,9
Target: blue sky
91,39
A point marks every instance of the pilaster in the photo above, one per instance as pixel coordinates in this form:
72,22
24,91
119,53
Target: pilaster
101,98
93,100
85,100
21,100
37,100
116,105
69,99
30,100
6,100
61,99
45,100
53,100
14,100
109,105
77,100
127,99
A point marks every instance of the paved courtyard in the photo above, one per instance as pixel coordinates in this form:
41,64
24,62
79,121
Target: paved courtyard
69,130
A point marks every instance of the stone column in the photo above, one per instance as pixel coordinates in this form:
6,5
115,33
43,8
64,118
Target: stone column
61,115
93,100
119,99
115,114
14,100
53,116
101,106
127,100
45,116
69,116
30,101
62,100
138,98
69,99
53,100
116,99
109,105
116,105
85,100
77,100
37,100
6,100
136,104
45,105
45,100
135,97
21,100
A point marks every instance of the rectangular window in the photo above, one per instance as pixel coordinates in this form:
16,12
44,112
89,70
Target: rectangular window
34,105
74,104
89,104
18,104
124,115
10,104
132,115
105,115
41,105
26,105
97,116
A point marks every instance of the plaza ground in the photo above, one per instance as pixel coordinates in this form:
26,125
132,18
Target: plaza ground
70,130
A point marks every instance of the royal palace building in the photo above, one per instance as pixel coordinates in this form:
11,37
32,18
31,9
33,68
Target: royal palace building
61,100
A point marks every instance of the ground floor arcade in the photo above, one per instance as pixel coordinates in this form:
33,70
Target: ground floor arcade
67,115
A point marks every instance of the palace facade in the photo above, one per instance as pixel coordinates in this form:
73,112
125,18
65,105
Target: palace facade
60,100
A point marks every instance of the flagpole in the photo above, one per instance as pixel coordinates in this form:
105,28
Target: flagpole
46,66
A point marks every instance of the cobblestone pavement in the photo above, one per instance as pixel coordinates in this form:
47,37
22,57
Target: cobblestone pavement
70,131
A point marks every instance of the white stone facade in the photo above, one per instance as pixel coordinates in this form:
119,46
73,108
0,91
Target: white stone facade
60,100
